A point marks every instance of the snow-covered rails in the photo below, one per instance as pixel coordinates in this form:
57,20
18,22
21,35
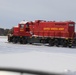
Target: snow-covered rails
40,31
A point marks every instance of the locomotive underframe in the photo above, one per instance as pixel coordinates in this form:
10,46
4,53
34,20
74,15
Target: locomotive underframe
52,41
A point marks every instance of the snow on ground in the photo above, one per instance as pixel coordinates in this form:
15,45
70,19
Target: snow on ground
44,58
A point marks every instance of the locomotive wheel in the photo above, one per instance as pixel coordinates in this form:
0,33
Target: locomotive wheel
21,42
57,42
42,41
70,46
24,41
30,43
51,42
10,39
64,43
14,40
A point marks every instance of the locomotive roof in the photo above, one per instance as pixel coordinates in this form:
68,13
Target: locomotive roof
23,22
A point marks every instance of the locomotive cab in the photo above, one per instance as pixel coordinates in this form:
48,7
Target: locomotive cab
24,27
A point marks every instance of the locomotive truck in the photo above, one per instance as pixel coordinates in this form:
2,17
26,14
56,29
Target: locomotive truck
41,31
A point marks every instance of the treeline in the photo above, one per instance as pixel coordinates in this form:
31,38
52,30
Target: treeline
4,32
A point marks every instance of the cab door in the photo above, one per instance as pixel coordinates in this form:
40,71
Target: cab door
71,30
27,28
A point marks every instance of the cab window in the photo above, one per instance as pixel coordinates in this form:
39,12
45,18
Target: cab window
27,27
71,24
22,26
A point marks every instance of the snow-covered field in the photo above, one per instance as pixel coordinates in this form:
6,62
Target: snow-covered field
37,57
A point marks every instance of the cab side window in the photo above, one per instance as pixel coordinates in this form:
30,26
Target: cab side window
21,26
27,27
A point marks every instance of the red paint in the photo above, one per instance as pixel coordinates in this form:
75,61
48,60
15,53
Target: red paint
42,28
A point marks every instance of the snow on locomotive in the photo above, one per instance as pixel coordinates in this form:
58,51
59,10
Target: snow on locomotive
40,31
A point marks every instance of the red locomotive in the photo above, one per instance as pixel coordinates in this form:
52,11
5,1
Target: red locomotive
40,31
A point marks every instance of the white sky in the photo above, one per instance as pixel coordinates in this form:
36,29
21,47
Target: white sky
14,11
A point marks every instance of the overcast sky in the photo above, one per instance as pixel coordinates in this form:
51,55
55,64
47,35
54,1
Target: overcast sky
14,11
